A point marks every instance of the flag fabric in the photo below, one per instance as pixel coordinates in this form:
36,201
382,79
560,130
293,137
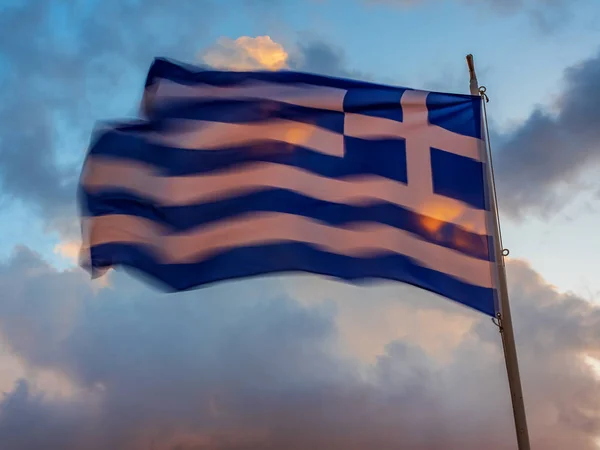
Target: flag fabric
237,174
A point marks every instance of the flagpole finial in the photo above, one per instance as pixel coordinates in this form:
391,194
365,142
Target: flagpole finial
471,64
473,83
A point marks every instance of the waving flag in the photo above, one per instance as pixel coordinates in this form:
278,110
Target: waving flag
235,174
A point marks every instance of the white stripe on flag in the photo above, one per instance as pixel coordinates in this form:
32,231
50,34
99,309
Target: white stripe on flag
364,189
204,135
360,240
311,96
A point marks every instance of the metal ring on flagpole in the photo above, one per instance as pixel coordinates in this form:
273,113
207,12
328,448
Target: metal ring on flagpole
496,321
482,90
505,252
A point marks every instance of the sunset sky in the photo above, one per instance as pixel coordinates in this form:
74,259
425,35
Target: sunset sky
298,361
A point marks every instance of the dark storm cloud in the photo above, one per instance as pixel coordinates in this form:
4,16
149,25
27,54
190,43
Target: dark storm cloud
539,164
320,57
238,369
546,15
58,83
64,65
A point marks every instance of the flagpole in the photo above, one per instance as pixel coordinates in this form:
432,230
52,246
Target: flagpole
504,318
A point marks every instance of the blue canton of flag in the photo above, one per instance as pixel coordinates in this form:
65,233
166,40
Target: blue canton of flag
235,174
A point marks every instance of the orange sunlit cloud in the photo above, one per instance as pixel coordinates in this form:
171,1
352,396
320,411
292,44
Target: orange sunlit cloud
246,53
68,250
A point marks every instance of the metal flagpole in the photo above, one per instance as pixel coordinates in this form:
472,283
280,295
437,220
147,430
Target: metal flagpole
504,319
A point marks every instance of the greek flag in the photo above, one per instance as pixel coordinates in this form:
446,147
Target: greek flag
237,174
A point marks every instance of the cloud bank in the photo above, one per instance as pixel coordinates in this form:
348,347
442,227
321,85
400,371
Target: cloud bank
63,66
263,53
243,366
83,67
540,163
546,15
55,89
246,53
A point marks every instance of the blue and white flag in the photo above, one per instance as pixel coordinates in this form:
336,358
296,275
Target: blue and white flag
235,174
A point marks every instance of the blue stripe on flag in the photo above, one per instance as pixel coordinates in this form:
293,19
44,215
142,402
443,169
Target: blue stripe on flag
116,201
237,111
163,68
458,177
384,157
182,218
458,113
375,102
291,258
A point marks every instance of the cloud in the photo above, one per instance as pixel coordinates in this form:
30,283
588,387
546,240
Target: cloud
540,163
547,15
320,57
242,366
262,52
68,250
54,90
55,86
64,66
246,53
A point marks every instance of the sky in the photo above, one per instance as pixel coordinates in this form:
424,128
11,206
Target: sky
298,361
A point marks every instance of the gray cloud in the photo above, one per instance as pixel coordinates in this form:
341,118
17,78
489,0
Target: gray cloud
547,15
242,366
539,164
56,86
227,367
63,67
309,55
320,57
86,65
